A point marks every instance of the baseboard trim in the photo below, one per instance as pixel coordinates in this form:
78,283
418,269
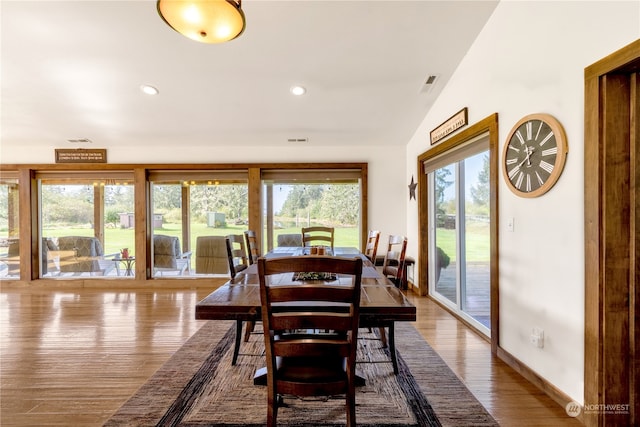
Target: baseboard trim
546,387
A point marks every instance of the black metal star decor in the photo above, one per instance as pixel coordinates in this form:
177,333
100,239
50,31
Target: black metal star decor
412,189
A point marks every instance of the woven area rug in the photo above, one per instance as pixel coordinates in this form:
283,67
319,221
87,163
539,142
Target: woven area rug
199,387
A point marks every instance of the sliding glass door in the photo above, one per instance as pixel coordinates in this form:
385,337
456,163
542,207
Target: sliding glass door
459,239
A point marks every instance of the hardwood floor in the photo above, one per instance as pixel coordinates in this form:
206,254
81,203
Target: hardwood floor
72,356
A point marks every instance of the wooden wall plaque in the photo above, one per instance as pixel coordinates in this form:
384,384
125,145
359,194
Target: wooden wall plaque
81,155
453,123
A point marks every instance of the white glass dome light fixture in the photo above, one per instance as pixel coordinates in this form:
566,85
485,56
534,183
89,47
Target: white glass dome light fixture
206,21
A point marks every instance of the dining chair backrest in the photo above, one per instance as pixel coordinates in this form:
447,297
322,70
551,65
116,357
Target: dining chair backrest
371,249
319,235
236,254
253,250
393,266
301,361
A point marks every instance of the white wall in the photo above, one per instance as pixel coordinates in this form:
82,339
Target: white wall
529,58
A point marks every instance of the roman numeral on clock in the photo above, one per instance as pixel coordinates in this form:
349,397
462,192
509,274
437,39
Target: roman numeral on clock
546,166
513,172
546,138
519,180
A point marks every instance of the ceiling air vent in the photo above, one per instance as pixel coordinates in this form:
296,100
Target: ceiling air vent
298,140
428,83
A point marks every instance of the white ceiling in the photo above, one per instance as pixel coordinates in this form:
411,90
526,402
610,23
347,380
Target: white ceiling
73,69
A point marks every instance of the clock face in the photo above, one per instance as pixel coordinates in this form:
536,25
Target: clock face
534,155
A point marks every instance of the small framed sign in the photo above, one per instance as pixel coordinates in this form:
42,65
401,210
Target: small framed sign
81,155
452,124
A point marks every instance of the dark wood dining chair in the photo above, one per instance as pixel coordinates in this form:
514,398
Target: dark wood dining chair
237,258
393,265
236,254
253,250
371,249
317,235
299,361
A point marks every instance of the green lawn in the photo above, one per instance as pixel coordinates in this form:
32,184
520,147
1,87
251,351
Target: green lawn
478,243
478,246
118,238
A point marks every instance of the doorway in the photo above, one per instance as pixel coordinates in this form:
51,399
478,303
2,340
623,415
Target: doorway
458,206
612,238
459,236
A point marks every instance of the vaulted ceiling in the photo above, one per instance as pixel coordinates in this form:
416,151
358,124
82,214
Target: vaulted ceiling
73,70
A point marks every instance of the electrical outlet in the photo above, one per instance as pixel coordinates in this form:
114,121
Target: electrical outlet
537,337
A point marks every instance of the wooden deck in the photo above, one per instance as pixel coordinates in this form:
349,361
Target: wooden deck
477,300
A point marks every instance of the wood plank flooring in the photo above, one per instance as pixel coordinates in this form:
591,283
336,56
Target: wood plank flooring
72,356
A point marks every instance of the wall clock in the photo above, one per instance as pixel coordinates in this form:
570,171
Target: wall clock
534,155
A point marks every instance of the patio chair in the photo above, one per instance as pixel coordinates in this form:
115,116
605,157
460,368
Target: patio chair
211,255
12,258
168,255
289,240
81,254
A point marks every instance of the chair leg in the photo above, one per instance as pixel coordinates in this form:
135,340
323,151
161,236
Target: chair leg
273,400
351,409
248,329
383,336
236,345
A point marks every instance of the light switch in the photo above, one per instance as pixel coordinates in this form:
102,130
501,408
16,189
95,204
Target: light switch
511,224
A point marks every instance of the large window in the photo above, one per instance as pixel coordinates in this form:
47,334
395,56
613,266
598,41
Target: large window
187,206
296,199
165,222
86,225
9,228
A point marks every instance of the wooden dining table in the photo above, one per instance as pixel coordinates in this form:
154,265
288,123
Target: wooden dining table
381,303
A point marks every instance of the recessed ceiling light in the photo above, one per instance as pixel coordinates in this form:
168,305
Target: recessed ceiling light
149,90
298,90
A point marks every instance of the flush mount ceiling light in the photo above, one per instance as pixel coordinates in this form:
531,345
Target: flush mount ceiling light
298,90
206,21
149,90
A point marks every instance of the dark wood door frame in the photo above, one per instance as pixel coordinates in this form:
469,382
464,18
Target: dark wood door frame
612,239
